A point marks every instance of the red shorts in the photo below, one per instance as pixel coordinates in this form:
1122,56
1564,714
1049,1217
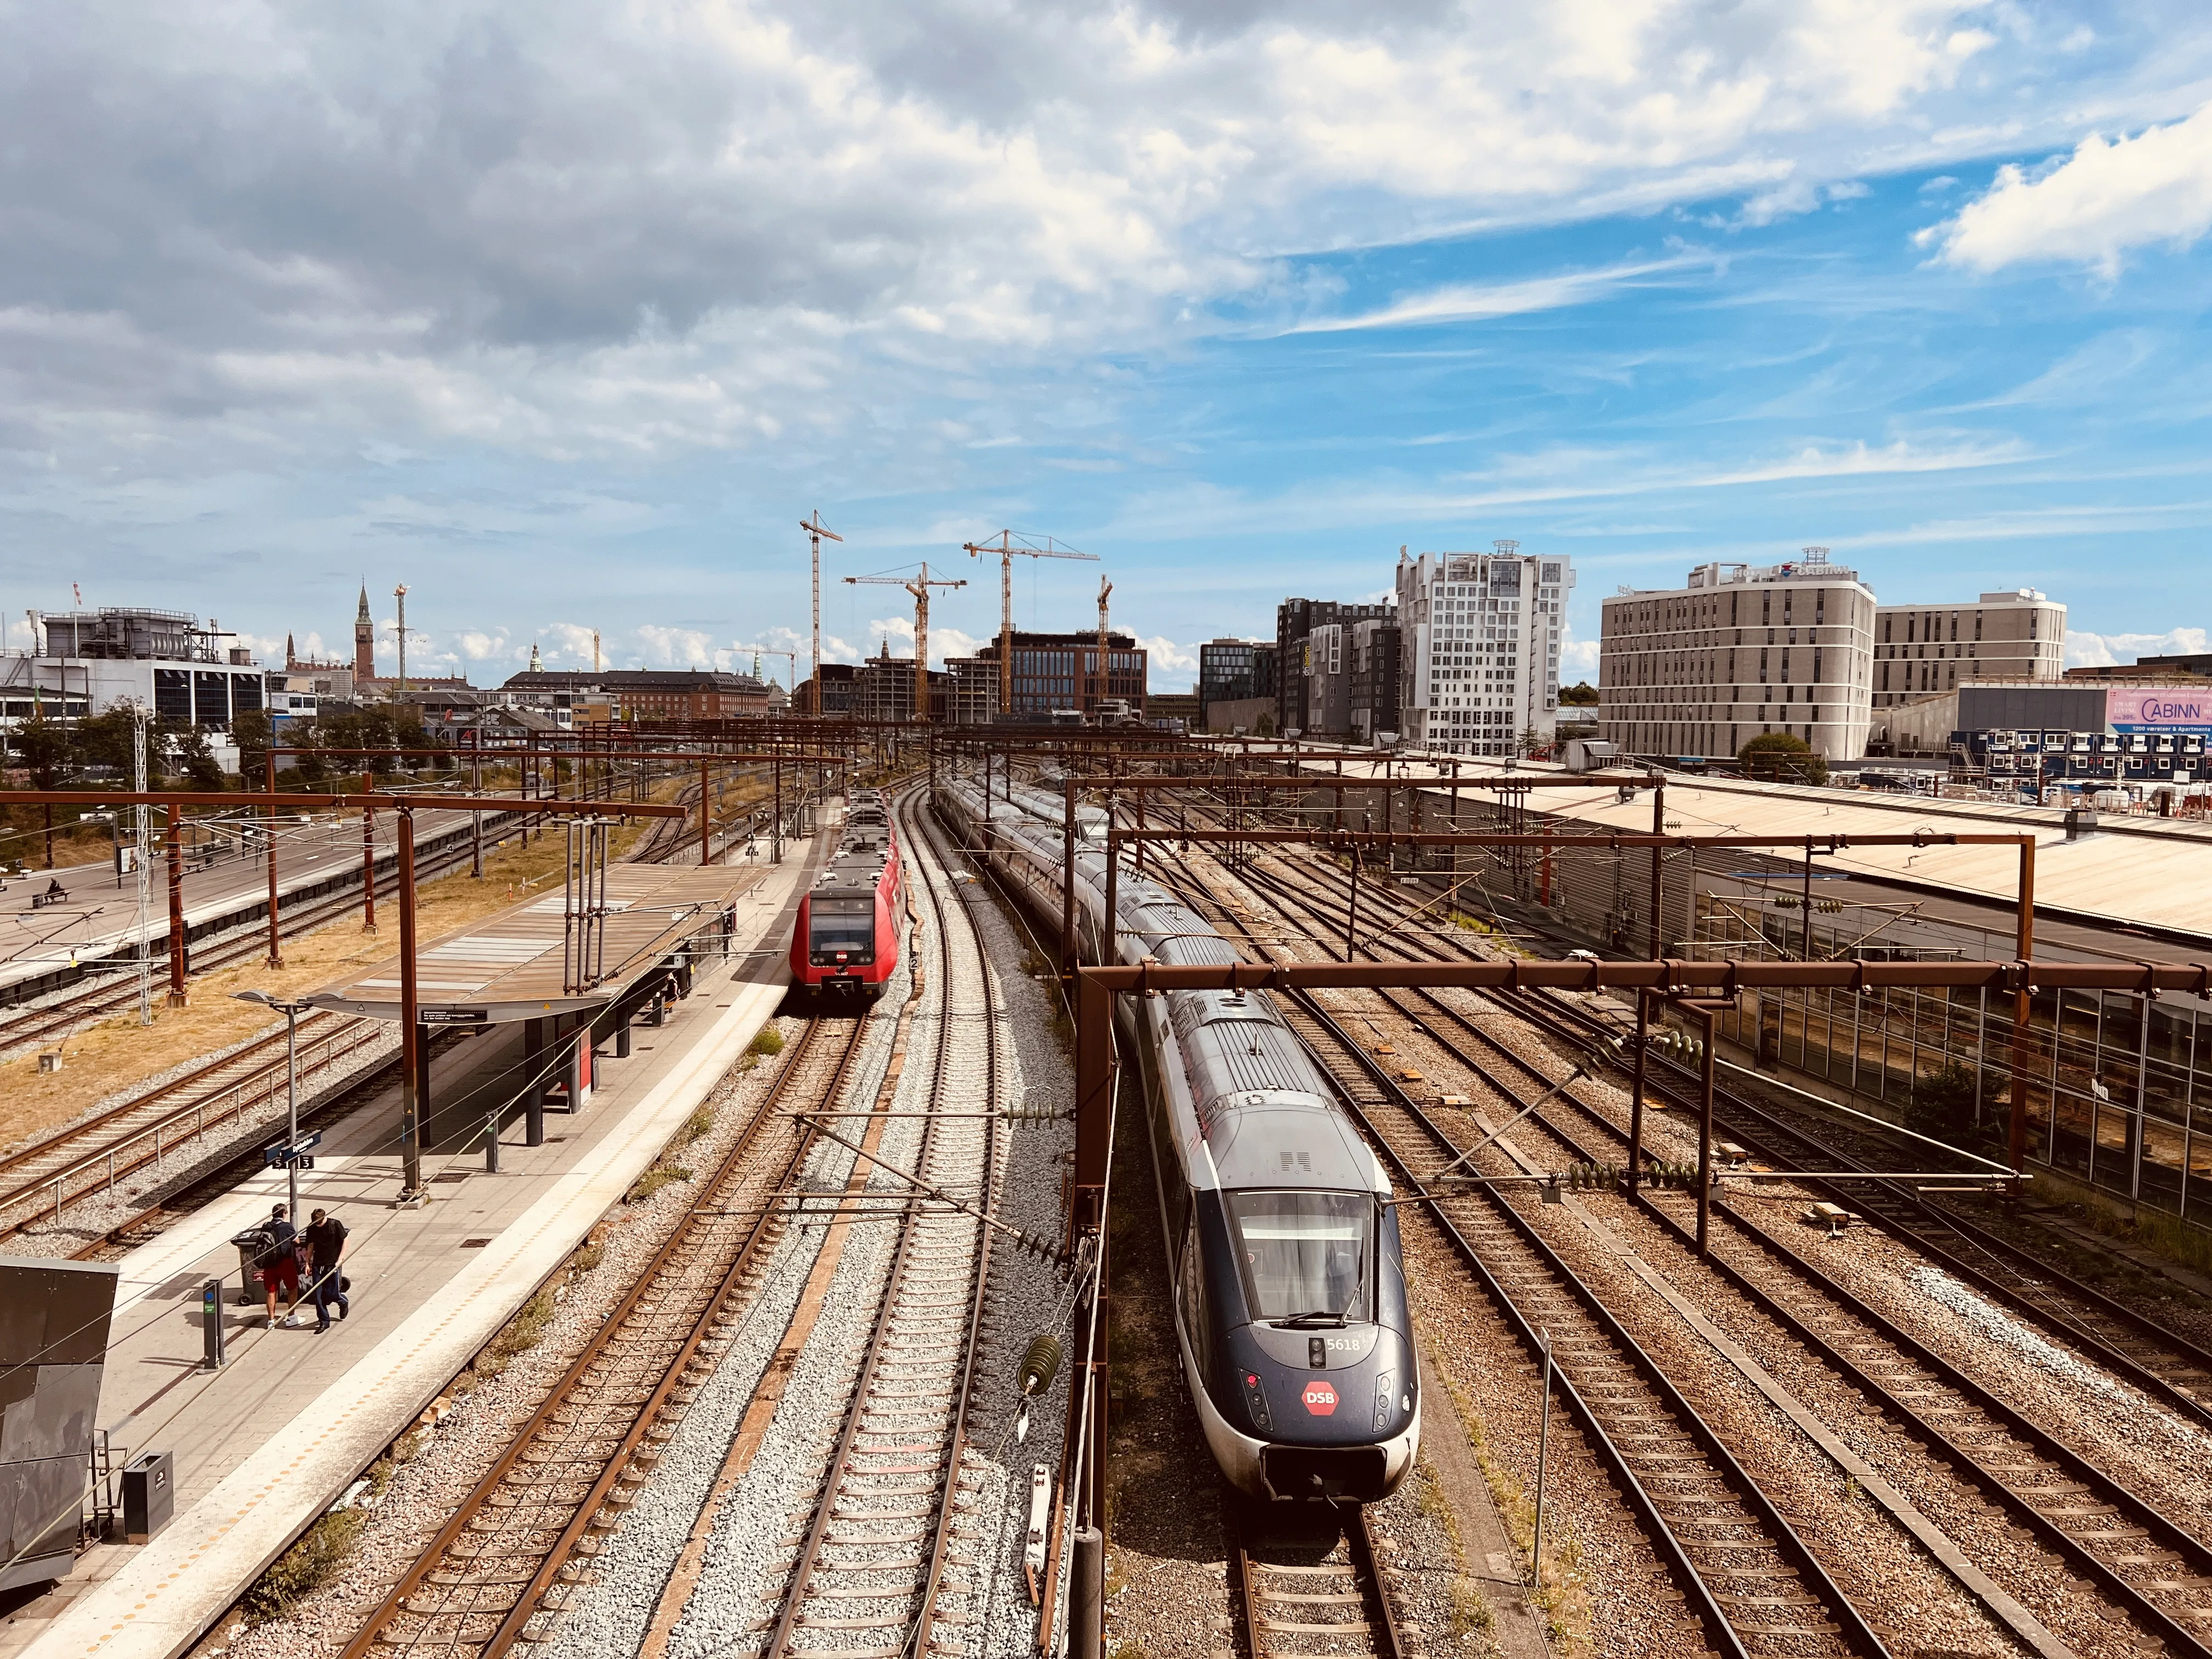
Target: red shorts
284,1273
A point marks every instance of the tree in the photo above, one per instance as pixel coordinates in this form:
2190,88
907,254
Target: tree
44,746
194,759
1581,695
1945,1107
1780,757
253,734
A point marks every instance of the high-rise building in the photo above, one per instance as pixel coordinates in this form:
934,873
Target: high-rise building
1229,671
1740,650
1378,662
1479,645
1922,649
1295,619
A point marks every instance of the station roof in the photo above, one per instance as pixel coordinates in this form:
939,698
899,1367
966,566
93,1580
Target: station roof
509,965
2148,871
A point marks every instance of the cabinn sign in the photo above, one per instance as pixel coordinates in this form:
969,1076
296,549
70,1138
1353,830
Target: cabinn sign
2160,710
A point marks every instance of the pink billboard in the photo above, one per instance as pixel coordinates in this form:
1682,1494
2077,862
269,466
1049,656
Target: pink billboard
2171,708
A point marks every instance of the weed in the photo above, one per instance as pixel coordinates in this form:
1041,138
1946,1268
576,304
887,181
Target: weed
314,1561
654,1180
587,1257
1851,1489
767,1041
2169,1236
526,1328
1471,1611
696,1125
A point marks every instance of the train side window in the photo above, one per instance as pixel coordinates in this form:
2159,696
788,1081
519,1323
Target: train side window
1194,1285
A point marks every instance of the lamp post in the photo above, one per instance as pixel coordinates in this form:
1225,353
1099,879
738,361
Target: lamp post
291,1013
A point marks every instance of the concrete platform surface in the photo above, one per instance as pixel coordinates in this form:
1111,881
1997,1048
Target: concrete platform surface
266,1443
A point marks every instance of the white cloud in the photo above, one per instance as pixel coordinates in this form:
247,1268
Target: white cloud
1466,302
2111,196
565,229
2085,650
1577,659
1165,654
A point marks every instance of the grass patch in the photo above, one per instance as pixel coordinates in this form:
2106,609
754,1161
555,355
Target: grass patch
766,1041
2178,1241
587,1257
316,1560
1472,1615
696,1126
1559,1590
527,1328
654,1180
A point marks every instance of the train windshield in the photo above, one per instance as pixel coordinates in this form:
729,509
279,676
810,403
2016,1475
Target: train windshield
843,923
1304,1253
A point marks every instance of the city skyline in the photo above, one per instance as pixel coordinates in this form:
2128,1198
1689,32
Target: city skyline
1915,280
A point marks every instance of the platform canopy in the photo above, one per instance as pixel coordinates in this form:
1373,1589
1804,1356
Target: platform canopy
512,965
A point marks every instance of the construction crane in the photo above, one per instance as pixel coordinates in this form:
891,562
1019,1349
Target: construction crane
760,651
815,530
919,588
1008,544
1105,680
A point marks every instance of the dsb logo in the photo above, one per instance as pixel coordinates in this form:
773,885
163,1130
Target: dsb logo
1319,1397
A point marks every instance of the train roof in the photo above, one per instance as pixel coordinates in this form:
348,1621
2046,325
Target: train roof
863,853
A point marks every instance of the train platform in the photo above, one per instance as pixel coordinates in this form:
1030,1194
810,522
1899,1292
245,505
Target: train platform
45,944
274,1437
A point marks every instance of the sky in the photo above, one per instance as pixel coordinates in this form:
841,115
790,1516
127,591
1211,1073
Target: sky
564,315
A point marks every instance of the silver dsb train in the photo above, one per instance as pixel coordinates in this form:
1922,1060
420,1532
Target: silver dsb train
1290,1285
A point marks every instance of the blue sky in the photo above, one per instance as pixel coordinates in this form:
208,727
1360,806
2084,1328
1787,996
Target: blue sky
564,315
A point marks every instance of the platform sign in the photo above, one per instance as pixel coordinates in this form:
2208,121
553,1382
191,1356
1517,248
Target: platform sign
284,1152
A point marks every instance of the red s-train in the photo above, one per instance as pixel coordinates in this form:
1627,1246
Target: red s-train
852,919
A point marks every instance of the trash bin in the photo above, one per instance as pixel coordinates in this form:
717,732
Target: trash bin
149,1495
251,1243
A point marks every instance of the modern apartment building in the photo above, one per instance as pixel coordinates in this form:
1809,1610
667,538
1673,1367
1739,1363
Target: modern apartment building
1376,676
1740,650
1295,619
1922,649
1479,648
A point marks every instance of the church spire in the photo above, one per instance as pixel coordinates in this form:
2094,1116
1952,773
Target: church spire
364,640
537,666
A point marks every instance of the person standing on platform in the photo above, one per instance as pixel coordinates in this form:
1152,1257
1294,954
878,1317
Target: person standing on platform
279,1264
326,1237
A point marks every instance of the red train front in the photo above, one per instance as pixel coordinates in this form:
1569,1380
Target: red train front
851,921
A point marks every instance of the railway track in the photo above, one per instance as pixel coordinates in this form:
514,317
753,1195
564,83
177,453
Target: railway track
1307,1586
872,1568
95,1155
1752,1581
494,1572
2127,1341
2096,1527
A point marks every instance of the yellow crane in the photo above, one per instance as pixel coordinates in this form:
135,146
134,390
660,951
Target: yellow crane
919,588
1105,680
1007,545
815,530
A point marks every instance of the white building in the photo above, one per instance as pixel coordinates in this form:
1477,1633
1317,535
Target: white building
1738,651
1480,635
1922,649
